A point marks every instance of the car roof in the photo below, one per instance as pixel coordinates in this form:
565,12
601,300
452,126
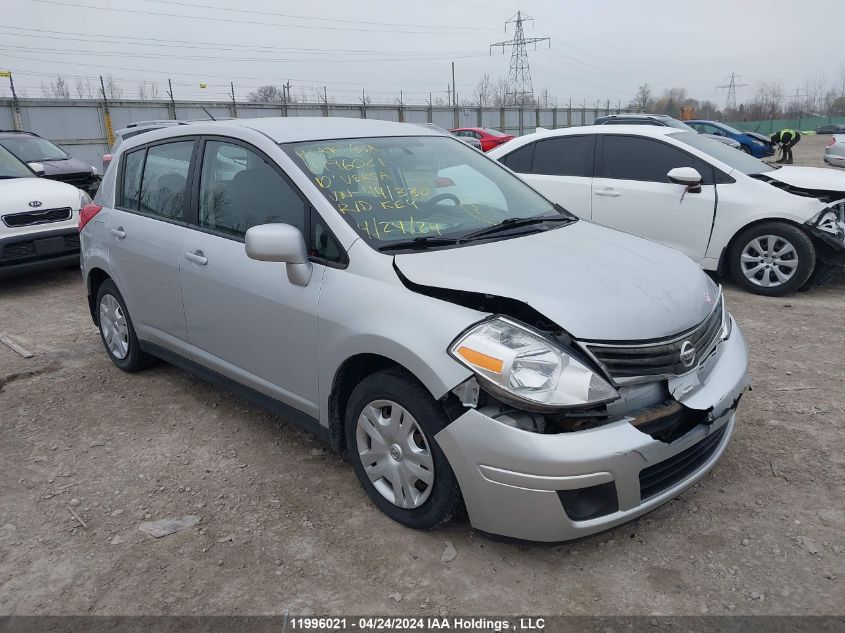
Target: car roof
6,133
635,115
653,131
293,129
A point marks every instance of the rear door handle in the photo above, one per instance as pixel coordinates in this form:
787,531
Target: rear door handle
198,257
608,193
119,233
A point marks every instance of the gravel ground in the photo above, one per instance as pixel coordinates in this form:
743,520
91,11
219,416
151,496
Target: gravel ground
285,525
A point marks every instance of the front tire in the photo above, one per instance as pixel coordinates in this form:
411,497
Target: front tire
772,259
390,424
745,149
116,330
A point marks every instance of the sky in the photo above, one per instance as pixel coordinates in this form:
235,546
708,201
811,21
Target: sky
597,51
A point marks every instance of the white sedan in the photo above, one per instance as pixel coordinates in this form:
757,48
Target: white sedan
774,228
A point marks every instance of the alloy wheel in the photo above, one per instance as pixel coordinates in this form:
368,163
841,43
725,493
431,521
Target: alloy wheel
769,261
395,453
113,327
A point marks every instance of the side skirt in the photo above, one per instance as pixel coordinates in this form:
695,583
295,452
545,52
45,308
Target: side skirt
302,420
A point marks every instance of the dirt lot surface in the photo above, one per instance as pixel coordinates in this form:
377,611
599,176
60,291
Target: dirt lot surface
285,525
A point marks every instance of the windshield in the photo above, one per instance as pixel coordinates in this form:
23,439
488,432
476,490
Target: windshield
399,188
32,148
720,151
11,167
730,129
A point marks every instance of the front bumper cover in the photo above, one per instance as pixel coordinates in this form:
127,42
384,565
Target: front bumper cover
512,480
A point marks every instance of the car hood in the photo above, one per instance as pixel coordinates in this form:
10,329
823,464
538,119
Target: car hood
760,137
63,167
596,283
821,178
17,193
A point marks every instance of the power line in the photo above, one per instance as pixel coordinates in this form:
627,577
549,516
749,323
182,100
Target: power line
254,22
519,89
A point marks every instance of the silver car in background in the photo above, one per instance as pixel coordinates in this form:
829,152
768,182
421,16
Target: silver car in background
834,151
465,341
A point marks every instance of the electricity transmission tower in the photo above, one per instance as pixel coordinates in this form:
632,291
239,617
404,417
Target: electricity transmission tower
519,89
731,86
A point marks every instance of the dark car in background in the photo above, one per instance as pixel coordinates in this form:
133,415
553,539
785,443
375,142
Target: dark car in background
47,157
750,143
831,128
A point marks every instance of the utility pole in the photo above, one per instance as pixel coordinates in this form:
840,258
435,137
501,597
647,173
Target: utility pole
234,104
363,103
454,92
17,122
107,114
731,86
520,89
169,94
325,101
797,97
449,94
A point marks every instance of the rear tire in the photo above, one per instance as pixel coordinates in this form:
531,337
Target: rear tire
745,149
390,424
116,330
772,259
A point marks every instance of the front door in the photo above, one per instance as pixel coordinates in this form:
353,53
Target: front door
245,319
631,192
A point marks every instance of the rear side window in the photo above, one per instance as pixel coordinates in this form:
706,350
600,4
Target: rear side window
645,159
520,160
132,170
239,190
165,179
565,156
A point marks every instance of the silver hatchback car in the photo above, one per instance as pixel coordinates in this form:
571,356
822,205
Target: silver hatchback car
465,341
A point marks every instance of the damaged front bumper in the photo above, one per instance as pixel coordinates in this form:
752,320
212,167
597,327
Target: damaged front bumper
557,487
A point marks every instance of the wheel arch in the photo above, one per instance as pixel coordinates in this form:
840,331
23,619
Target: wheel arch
723,267
94,279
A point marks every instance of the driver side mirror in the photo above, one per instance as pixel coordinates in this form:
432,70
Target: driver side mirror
280,243
687,176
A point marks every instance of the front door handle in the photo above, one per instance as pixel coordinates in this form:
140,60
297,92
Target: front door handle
198,257
608,193
119,233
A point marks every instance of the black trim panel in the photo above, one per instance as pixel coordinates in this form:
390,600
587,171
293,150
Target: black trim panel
301,419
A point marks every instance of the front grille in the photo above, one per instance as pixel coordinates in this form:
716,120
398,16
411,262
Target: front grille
30,218
39,248
81,181
663,475
625,360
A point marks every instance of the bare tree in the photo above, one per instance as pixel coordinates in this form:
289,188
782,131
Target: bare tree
767,102
483,94
148,90
500,93
814,88
56,89
266,94
113,91
643,97
85,88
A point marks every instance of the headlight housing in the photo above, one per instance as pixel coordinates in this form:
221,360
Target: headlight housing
520,365
84,199
831,220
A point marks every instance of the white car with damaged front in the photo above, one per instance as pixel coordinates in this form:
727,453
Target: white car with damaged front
774,228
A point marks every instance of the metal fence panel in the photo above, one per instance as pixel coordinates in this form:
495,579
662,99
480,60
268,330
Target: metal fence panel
63,122
7,118
443,118
349,113
258,112
416,115
121,115
383,114
491,118
468,117
197,113
512,117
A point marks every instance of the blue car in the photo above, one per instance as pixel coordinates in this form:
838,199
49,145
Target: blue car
755,144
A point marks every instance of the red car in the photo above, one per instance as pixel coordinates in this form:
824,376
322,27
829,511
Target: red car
489,138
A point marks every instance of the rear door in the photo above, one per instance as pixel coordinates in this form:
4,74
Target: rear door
145,233
561,168
631,191
245,319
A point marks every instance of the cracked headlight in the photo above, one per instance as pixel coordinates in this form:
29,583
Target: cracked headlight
521,365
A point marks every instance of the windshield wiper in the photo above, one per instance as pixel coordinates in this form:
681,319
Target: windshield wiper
418,243
512,223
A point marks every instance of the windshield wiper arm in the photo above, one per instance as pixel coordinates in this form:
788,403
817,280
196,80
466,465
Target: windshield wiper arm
512,223
418,243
